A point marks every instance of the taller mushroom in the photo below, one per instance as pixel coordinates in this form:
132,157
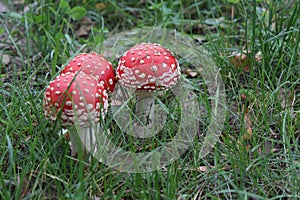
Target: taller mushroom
147,67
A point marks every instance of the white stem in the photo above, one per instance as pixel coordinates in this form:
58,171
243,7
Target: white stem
145,107
151,115
75,141
83,139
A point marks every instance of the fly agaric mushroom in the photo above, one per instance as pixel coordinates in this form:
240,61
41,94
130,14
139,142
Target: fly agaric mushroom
95,65
146,68
81,99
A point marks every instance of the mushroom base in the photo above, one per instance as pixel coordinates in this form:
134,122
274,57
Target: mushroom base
83,139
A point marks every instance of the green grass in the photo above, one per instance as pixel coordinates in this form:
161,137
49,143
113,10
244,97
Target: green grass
36,163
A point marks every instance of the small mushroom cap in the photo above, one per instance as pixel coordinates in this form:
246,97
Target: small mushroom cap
95,65
79,97
148,67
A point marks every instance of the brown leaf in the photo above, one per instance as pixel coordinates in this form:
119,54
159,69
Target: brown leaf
86,24
3,8
202,168
83,31
191,73
18,2
244,140
258,56
247,118
5,59
287,98
100,6
240,60
87,21
248,125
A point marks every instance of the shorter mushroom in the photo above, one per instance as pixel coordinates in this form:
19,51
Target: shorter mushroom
82,100
147,68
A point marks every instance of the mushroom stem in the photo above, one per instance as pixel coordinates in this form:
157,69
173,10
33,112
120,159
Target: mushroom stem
83,139
145,107
150,115
88,138
76,144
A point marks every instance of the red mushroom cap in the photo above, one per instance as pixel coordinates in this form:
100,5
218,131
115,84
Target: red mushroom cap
95,65
75,95
148,67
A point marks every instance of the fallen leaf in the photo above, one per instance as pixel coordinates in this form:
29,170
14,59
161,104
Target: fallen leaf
202,168
244,141
247,118
191,73
248,125
83,31
18,2
258,56
5,59
240,60
100,6
3,8
86,24
287,98
87,21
